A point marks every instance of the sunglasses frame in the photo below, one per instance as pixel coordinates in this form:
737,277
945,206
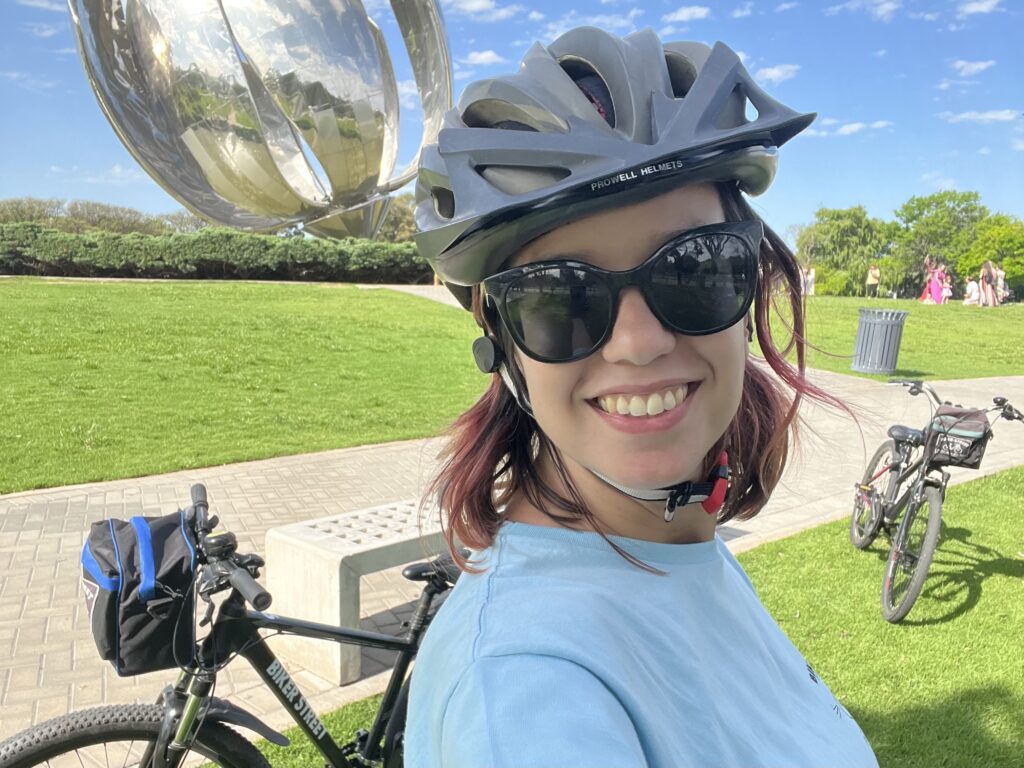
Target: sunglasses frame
496,287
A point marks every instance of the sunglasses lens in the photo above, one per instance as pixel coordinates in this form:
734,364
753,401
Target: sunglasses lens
702,284
558,313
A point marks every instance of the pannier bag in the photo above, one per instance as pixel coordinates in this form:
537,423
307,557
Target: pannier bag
137,577
957,437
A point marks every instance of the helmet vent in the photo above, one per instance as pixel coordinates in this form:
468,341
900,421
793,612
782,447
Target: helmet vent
444,202
593,86
682,73
520,180
737,111
498,113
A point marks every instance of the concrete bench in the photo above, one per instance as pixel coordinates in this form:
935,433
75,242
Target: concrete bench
314,567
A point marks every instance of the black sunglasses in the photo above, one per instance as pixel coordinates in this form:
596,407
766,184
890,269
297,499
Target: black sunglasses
701,281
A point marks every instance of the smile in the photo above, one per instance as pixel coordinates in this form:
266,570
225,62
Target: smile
641,406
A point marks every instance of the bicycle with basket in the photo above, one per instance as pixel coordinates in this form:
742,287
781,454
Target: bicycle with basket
904,486
142,580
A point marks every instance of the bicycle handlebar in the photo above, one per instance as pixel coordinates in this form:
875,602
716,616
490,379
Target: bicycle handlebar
247,586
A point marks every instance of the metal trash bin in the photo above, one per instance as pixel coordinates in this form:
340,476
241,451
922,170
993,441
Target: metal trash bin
879,333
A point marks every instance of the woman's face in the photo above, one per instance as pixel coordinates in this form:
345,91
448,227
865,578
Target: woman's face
641,357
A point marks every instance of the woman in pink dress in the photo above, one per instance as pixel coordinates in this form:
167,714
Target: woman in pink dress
936,280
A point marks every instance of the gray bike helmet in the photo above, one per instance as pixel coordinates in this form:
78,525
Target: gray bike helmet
592,120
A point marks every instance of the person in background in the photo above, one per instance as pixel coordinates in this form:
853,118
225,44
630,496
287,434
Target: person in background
987,281
874,275
808,273
1001,290
972,295
947,289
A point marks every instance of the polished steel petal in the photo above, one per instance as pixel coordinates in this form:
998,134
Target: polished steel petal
364,221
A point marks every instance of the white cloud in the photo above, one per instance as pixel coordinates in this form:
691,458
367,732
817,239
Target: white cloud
992,116
785,7
777,74
937,180
27,81
977,6
848,129
45,5
66,51
880,52
924,16
36,29
688,13
880,124
984,151
408,94
462,74
1018,144
829,121
535,16
743,57
618,23
744,10
814,132
970,68
946,83
116,174
882,10
481,10
483,58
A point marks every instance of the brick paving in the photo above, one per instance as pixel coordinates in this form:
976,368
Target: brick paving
48,663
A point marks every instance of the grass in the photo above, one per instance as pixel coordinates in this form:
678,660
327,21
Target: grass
940,341
944,689
106,380
113,380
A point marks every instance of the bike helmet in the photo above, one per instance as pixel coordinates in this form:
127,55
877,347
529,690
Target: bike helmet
590,121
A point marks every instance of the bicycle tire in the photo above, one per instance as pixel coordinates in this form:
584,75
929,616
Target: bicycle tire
393,750
913,547
867,518
137,724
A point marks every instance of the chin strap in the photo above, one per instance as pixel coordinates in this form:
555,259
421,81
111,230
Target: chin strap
711,494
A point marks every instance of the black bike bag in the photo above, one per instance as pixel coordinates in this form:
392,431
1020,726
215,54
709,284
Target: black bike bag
957,437
137,577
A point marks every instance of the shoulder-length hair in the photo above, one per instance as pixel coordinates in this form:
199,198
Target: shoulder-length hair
493,446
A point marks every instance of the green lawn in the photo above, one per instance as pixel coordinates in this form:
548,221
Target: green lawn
106,380
112,380
944,689
940,341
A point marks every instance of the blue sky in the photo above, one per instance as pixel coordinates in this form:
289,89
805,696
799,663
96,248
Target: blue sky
911,96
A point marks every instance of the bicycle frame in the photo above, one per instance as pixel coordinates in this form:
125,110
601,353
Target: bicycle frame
891,507
236,631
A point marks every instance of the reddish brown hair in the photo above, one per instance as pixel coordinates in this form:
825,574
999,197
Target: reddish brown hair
493,445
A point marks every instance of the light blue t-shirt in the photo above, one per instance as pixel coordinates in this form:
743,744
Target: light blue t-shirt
564,655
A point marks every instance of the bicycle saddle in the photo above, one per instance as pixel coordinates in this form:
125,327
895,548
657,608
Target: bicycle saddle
443,565
902,434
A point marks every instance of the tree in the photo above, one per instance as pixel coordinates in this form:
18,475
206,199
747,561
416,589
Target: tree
844,240
31,209
183,221
400,224
940,227
1000,239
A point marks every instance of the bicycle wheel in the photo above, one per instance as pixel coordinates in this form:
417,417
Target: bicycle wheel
912,549
394,733
867,509
118,735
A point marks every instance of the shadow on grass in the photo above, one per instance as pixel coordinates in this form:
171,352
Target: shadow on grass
952,733
957,574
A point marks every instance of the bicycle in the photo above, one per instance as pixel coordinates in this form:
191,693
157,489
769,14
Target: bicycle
188,719
904,486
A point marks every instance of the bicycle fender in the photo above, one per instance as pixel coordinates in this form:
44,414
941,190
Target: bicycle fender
222,711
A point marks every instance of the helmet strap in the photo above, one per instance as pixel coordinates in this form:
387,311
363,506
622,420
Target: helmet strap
710,494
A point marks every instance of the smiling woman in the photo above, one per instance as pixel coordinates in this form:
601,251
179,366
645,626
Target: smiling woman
589,210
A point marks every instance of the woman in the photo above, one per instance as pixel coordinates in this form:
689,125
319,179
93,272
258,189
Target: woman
971,292
874,277
588,210
987,281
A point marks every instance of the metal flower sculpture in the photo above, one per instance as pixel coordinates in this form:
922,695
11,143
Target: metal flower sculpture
224,101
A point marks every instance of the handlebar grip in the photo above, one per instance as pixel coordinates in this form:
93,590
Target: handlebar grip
254,594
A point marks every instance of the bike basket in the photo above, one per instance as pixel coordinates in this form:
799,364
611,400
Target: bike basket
957,437
137,577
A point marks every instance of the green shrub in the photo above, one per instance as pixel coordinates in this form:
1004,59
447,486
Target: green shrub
210,253
833,282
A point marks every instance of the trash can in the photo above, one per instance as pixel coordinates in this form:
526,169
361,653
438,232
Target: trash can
879,333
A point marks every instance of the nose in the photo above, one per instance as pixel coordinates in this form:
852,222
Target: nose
638,337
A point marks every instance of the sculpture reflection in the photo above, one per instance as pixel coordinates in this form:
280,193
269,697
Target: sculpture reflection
224,103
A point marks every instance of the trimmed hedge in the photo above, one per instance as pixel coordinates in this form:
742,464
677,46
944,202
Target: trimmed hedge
211,253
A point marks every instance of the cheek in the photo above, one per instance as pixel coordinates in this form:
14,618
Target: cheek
551,390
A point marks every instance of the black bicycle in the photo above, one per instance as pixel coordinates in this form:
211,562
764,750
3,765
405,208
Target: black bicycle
188,720
904,486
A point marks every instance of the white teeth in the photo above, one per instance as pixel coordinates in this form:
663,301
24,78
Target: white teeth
651,405
655,405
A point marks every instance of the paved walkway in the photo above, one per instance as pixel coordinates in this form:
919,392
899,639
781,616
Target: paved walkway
48,663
